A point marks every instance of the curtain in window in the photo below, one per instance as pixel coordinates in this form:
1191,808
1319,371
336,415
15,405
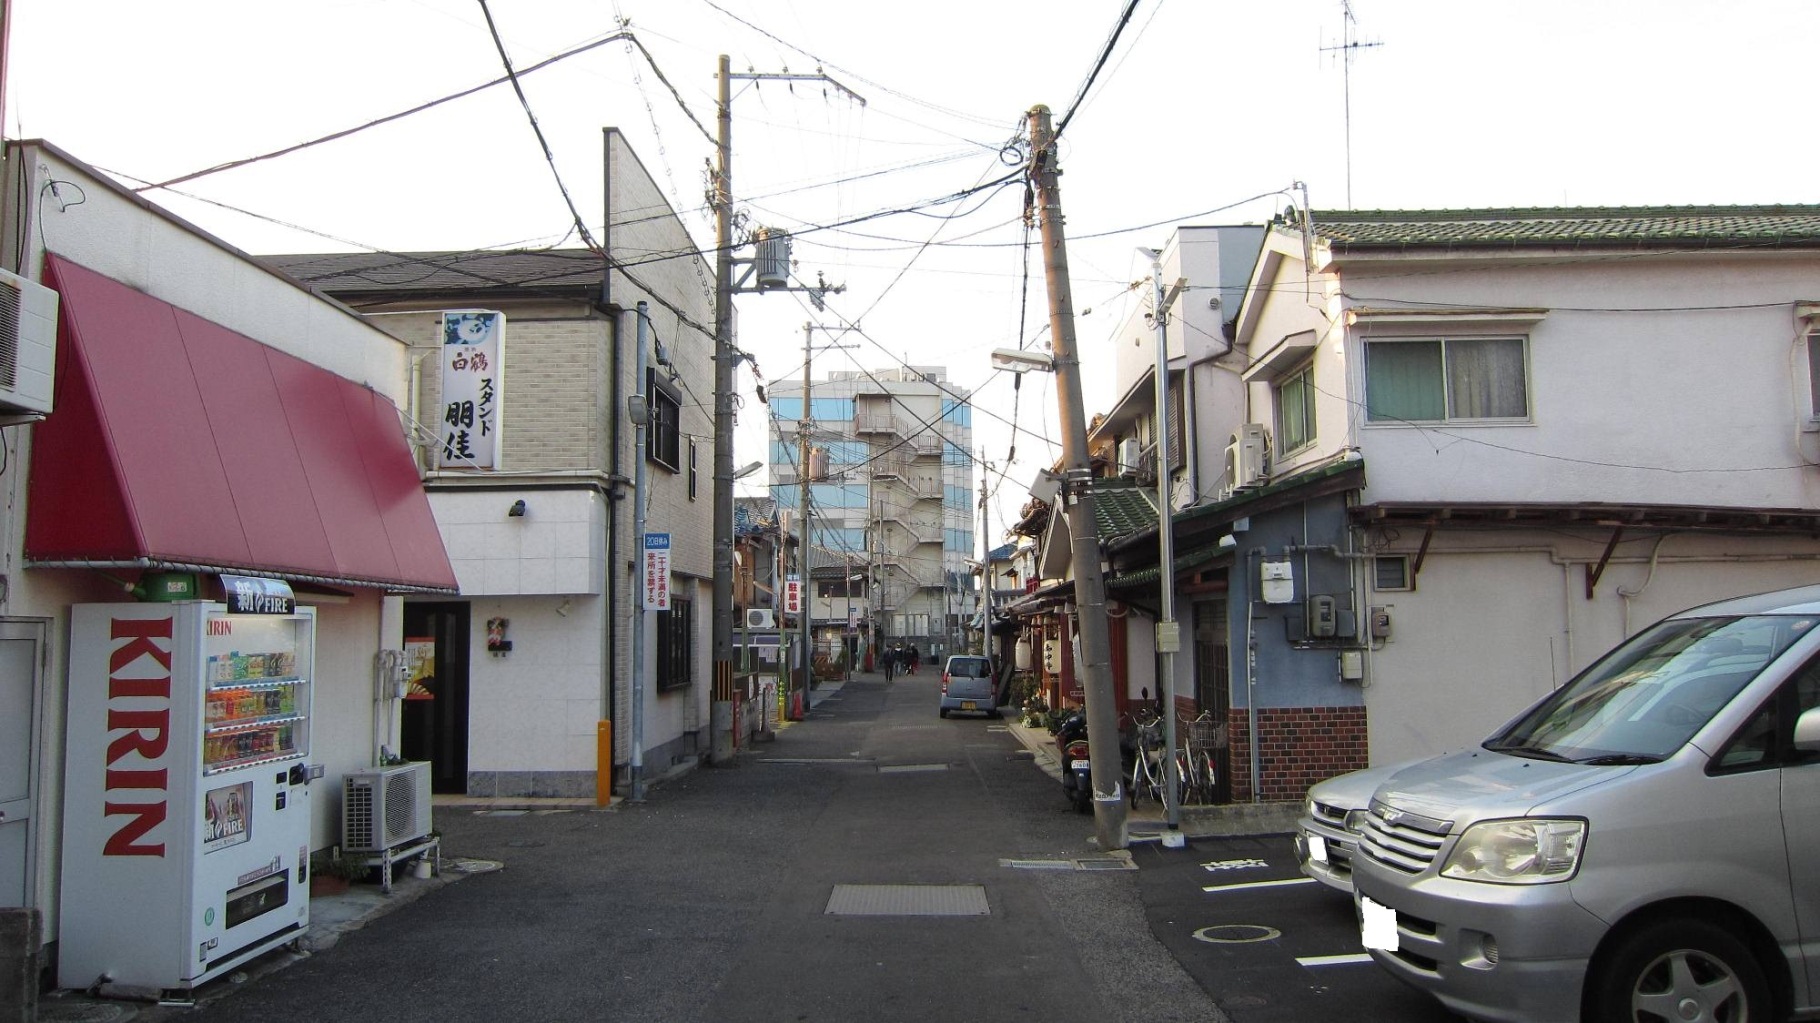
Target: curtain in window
1403,381
1485,379
1295,412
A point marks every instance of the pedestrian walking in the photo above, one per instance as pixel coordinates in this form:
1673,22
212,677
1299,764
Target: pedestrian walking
889,659
915,658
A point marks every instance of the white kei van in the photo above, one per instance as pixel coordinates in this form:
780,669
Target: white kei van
1642,844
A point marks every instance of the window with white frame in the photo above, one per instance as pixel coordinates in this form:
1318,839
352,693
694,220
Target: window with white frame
1444,380
1295,409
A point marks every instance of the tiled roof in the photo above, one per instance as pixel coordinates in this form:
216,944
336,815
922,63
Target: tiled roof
1118,510
387,272
1569,227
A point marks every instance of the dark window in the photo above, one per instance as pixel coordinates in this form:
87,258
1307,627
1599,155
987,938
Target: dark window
694,473
675,642
664,440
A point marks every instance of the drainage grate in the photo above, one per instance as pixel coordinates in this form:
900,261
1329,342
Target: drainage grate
1106,863
911,768
1037,864
907,900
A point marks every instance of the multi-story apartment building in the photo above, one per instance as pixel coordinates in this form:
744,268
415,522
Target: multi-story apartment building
890,487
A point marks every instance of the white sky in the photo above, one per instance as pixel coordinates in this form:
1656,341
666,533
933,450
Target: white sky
1203,105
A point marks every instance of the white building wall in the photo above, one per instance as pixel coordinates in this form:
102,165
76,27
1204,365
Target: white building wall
1508,614
115,233
557,547
1705,394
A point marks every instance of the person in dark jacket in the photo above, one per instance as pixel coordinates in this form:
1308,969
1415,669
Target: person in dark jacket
888,657
915,658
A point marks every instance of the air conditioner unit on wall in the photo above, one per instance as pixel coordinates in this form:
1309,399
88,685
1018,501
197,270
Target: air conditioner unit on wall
385,807
760,618
1247,457
1131,451
28,345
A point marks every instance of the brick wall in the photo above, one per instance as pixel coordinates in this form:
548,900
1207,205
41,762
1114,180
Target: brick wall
1297,746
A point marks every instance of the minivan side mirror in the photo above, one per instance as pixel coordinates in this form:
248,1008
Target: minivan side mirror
1807,731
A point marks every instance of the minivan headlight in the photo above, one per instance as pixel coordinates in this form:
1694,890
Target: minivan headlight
1517,852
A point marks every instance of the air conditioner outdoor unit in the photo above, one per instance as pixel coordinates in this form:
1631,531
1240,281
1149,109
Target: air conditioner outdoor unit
1247,457
760,618
28,345
1131,452
385,807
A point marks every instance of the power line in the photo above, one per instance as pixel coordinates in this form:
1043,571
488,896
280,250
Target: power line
524,101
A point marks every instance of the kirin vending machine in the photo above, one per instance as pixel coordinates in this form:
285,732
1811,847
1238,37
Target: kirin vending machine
186,804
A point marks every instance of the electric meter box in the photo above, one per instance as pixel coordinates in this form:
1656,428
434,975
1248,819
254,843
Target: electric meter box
1276,582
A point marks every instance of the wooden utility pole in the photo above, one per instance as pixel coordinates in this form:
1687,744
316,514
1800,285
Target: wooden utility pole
1077,497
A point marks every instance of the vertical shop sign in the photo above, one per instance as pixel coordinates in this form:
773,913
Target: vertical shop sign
657,571
793,596
473,343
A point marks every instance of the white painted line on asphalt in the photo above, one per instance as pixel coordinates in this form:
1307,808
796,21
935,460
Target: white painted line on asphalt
1359,957
1256,884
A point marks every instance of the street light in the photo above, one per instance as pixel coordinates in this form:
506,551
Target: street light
1019,361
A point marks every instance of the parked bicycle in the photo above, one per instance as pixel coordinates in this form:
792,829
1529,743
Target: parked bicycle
1198,776
1147,761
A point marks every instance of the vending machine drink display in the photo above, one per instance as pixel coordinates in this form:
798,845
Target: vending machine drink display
186,796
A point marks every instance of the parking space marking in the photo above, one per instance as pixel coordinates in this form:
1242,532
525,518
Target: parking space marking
1241,885
1248,864
1346,960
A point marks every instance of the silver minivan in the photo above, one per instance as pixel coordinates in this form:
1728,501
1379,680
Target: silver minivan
1642,844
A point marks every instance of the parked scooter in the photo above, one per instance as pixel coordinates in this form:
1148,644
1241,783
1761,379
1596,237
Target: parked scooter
1077,768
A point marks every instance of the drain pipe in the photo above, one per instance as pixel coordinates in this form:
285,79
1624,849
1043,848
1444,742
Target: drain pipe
1251,674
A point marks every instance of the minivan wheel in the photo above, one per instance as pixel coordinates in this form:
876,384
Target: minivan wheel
1681,970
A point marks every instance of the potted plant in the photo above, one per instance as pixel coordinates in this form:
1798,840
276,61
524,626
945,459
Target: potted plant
331,873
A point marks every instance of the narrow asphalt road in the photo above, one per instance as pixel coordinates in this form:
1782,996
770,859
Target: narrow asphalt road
875,862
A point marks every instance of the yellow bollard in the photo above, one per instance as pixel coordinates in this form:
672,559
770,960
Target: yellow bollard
603,763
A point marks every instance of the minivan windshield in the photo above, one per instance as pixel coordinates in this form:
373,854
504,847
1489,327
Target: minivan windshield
1644,700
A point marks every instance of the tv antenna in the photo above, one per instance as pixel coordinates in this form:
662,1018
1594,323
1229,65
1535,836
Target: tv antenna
1349,45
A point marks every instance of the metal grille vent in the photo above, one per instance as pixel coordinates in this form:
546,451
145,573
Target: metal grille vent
908,900
357,814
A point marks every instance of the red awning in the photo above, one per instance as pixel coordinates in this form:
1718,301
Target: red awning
178,443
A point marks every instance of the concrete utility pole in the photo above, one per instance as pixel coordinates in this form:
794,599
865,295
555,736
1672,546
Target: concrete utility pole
1077,496
806,599
720,714
1168,632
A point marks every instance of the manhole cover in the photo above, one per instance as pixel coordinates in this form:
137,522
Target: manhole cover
1237,934
84,1012
907,900
467,866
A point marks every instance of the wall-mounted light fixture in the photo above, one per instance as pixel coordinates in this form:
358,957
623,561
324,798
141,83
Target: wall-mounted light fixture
517,511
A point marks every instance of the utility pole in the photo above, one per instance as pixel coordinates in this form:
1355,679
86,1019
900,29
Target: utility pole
985,568
807,599
720,714
1168,632
1109,815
